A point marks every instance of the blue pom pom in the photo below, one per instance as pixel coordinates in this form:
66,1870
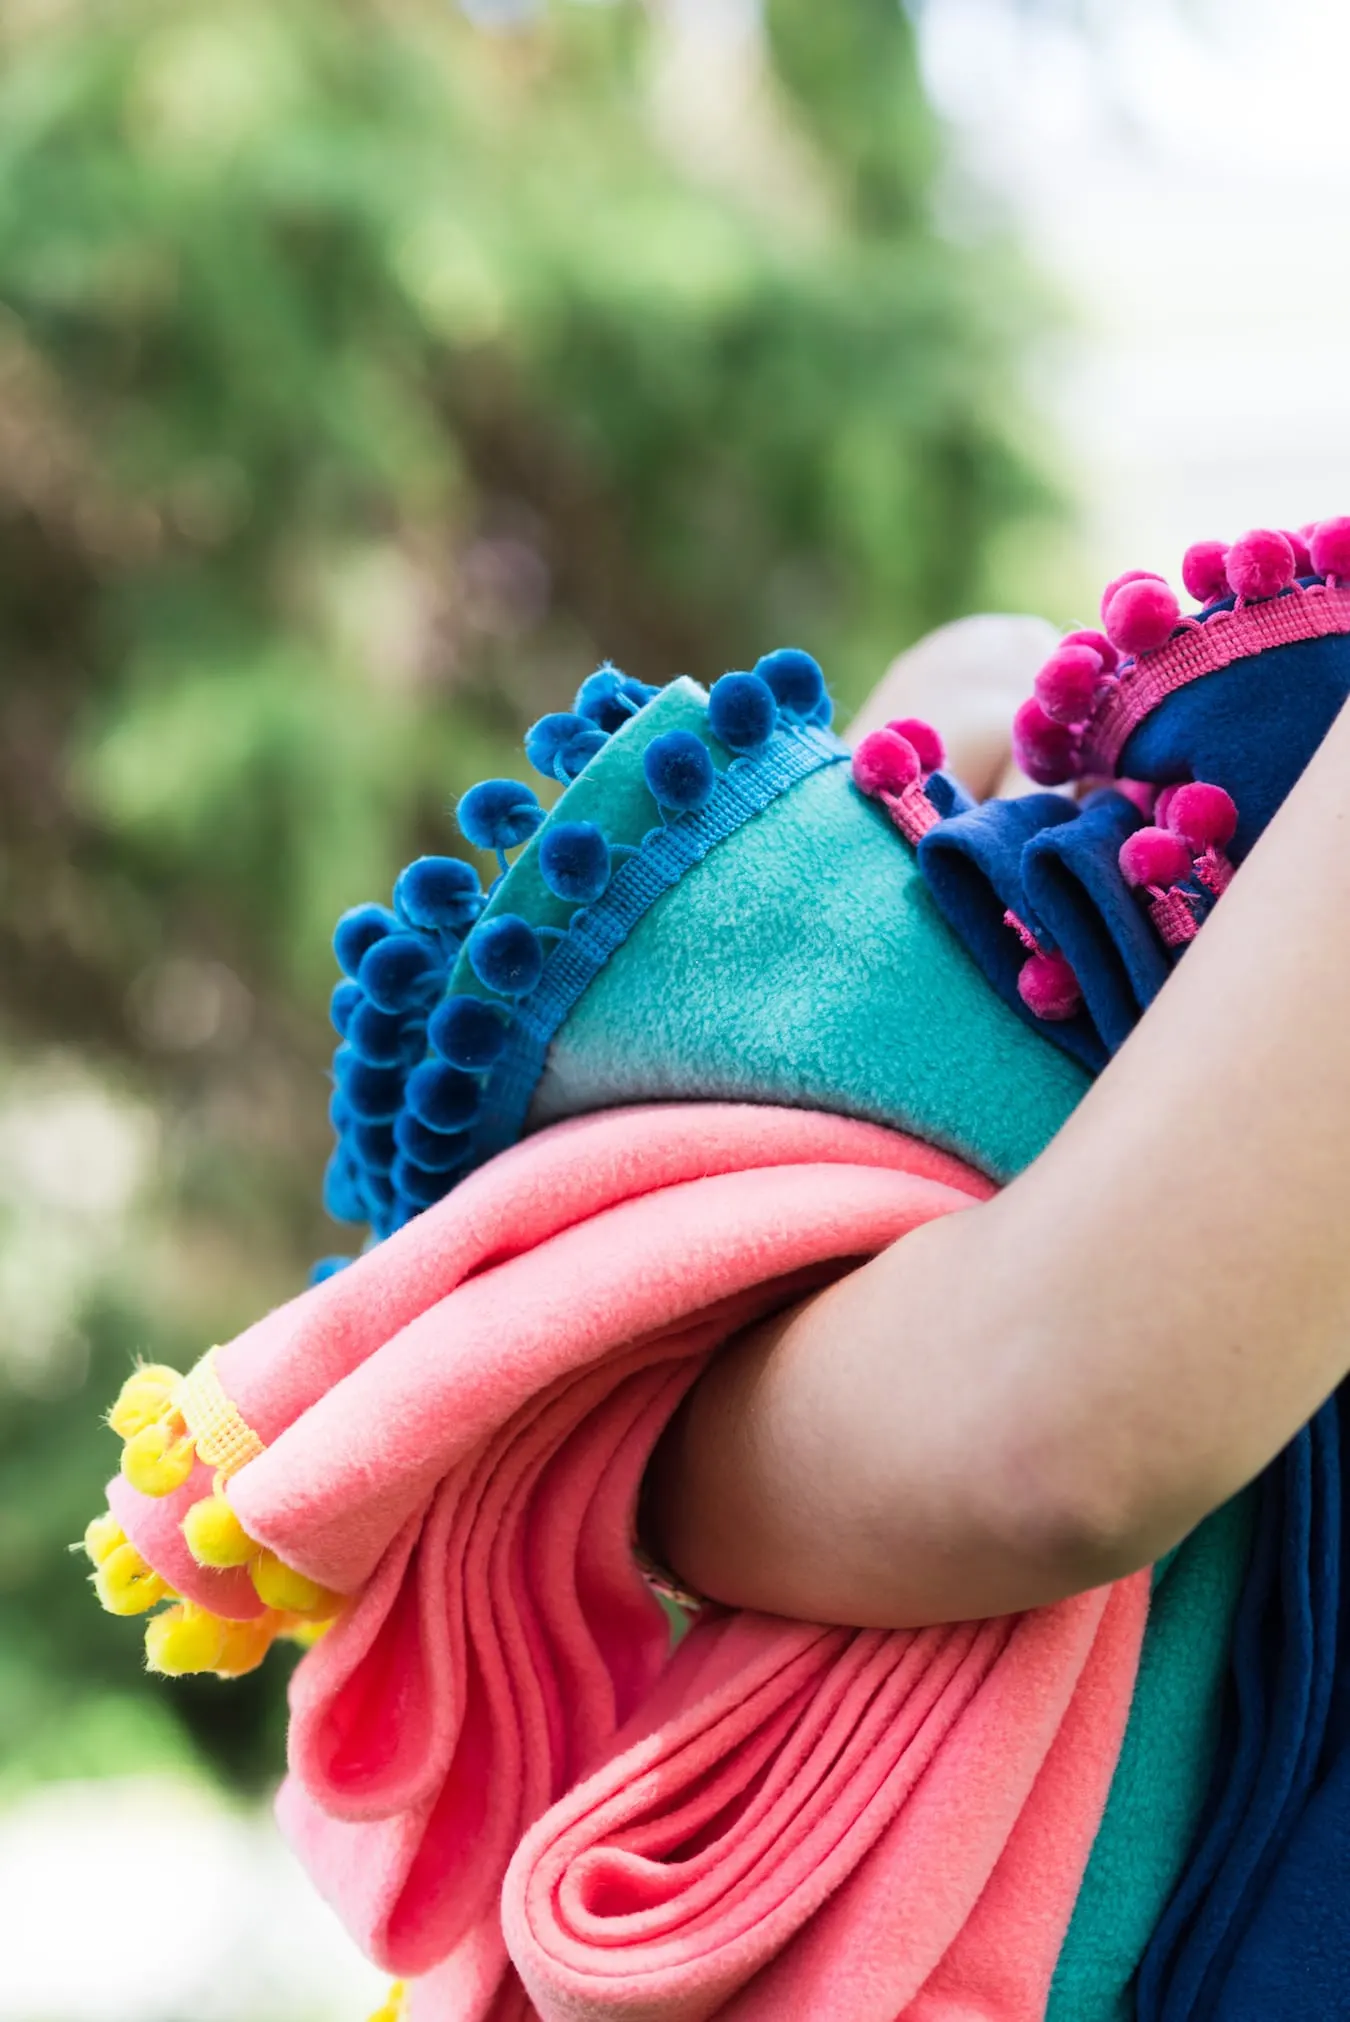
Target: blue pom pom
498,814
506,955
373,1144
823,713
742,712
441,1097
418,1186
442,895
339,1109
467,1032
796,680
679,771
562,745
610,698
344,1000
400,972
328,1267
342,1190
436,1150
376,1036
357,930
374,1094
574,861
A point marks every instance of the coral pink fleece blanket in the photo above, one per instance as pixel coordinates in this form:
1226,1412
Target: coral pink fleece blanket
508,1788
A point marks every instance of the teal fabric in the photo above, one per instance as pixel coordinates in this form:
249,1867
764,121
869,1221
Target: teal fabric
1161,1780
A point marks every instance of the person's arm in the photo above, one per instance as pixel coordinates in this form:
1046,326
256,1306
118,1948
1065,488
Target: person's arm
1042,1393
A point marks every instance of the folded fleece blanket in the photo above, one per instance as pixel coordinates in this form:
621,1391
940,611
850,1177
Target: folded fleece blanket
491,1753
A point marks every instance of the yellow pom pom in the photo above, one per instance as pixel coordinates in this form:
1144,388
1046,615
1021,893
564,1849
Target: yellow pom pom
245,1645
394,2009
296,1629
215,1536
288,1592
126,1585
184,1640
103,1534
145,1396
159,1458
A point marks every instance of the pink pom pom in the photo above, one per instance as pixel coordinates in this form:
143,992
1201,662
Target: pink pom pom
1099,643
1119,582
1047,752
1203,572
1301,551
932,751
885,763
1141,615
1048,987
1330,548
1261,564
1140,794
1204,816
1164,801
1067,683
1154,856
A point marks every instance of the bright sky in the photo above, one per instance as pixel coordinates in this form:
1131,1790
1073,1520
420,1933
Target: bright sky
1184,176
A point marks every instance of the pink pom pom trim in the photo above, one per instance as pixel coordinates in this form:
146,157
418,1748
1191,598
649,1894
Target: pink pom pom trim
1067,683
1119,582
1261,564
1048,987
1141,615
1047,752
885,763
1154,858
932,752
1301,551
1203,816
1203,572
1100,645
1330,548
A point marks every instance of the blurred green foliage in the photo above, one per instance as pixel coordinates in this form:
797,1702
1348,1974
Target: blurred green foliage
366,375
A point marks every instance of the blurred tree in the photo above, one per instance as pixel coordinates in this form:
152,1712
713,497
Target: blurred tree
367,372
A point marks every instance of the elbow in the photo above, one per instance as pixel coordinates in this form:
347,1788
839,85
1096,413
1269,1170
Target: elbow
1079,1522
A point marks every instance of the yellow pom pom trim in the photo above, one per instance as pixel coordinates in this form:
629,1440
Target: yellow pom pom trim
184,1640
215,1536
395,2008
159,1458
103,1534
145,1396
125,1584
279,1587
246,1644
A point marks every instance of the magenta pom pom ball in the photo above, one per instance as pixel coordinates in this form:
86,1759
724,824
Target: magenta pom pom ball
1301,552
885,763
1141,615
1067,683
1100,645
1261,564
1204,815
1330,548
931,751
1048,987
1154,856
1204,571
1045,751
1119,582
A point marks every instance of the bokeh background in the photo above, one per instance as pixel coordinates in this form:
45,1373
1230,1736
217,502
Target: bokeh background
370,370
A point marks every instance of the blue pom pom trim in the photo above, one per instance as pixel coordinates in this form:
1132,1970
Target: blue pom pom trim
328,1267
467,1032
608,698
401,972
796,681
679,772
439,895
343,1002
359,929
499,815
742,712
373,1094
506,955
442,1097
574,861
434,1150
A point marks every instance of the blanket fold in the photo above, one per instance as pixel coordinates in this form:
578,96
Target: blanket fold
491,1750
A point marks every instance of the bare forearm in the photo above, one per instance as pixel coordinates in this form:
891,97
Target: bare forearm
1046,1391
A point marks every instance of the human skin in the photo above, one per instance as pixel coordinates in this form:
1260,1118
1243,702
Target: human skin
1048,1391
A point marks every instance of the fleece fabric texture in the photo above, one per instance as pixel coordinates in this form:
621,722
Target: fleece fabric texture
1262,1902
1164,1774
489,1748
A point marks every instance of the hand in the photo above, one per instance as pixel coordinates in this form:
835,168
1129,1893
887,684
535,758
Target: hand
967,679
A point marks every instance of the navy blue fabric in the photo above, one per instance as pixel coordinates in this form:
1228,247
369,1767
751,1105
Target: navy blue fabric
1261,1913
1076,893
972,864
1251,728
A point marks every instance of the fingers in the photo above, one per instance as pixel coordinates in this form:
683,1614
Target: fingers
967,679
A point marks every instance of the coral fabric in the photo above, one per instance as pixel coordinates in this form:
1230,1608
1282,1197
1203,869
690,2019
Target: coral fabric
867,1824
